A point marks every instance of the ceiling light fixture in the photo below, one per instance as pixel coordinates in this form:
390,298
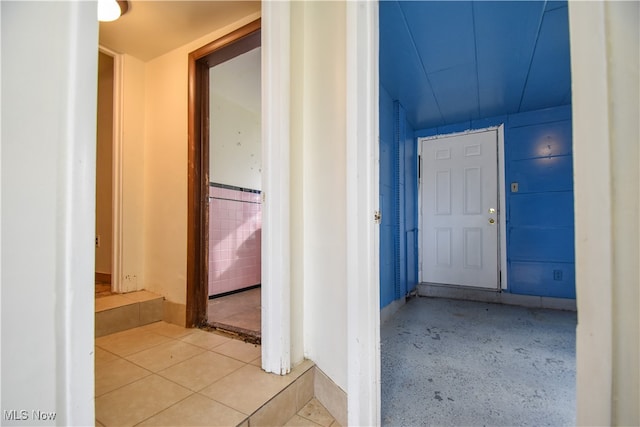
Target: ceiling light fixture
110,10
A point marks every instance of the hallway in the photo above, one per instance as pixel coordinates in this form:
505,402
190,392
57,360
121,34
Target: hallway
450,363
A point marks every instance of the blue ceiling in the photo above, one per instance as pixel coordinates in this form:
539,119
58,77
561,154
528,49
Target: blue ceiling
453,61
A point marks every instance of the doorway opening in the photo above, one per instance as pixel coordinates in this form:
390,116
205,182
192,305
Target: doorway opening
224,211
104,176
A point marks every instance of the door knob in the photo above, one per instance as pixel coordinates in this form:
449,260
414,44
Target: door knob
491,220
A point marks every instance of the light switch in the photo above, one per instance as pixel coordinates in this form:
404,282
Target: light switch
514,187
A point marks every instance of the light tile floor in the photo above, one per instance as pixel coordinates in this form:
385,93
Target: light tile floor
165,375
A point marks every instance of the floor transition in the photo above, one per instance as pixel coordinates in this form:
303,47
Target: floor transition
238,313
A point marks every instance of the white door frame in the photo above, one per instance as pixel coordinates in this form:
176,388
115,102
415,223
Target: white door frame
502,226
116,171
363,243
276,276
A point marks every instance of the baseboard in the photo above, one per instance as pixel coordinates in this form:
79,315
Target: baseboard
103,277
175,313
331,396
454,292
388,311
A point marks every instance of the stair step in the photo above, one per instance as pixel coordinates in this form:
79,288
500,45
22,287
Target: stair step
115,313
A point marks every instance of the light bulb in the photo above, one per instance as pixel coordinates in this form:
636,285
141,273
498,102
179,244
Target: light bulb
108,10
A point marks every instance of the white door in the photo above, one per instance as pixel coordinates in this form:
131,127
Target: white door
459,204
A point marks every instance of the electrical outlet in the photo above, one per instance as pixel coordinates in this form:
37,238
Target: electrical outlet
98,239
557,274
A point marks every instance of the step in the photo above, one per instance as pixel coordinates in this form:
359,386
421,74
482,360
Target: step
119,312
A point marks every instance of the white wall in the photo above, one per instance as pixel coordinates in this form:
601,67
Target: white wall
133,123
605,50
319,140
235,126
235,153
49,69
165,168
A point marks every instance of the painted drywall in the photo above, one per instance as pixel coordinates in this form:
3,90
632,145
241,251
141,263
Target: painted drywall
104,159
235,125
321,142
165,168
605,42
540,236
48,211
133,121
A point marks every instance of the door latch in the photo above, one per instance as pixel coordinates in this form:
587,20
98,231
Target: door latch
377,216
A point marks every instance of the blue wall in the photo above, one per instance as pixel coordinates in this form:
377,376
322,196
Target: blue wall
398,202
540,225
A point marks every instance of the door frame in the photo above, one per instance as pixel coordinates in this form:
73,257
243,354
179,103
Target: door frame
116,172
502,213
198,174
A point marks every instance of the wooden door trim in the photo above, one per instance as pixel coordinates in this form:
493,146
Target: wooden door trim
198,173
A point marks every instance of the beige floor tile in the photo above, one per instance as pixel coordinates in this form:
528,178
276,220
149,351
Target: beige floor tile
168,329
246,389
140,296
99,424
301,368
103,356
196,410
132,341
314,411
239,350
115,374
298,421
112,301
138,401
204,339
335,424
202,370
257,362
164,355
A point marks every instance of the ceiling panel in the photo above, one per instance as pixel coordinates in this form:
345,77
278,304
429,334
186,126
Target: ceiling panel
443,32
403,76
504,52
458,102
451,61
549,81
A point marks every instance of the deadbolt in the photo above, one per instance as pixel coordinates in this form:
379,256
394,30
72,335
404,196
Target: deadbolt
492,211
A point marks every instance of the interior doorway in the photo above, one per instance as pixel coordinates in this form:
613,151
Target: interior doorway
224,228
104,175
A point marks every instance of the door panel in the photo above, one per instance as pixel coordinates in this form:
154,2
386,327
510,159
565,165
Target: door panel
459,194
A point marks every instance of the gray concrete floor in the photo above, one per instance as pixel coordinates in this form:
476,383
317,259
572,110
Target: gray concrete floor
464,363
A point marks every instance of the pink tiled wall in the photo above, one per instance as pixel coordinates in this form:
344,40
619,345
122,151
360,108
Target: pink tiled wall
235,225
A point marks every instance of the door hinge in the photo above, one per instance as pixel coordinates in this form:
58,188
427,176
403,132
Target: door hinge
377,217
